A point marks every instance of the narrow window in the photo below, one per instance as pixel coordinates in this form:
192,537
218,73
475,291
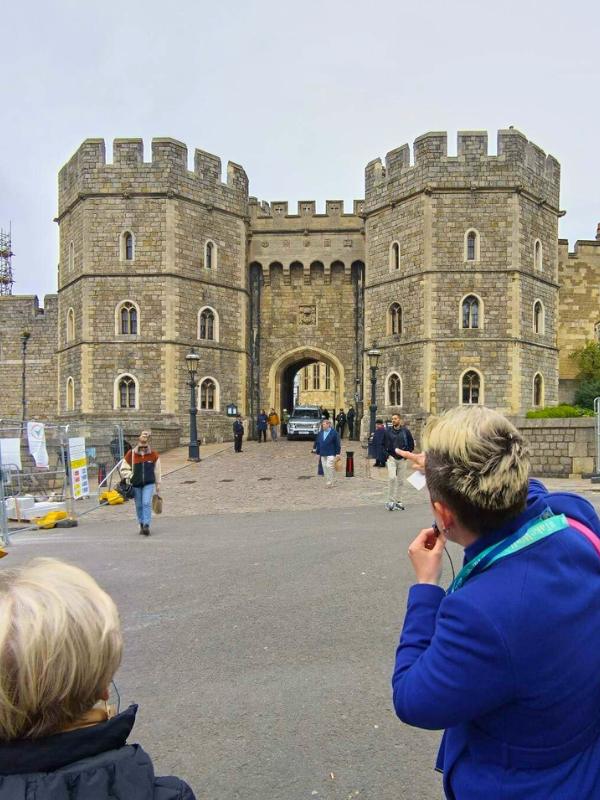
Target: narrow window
316,377
70,394
537,254
538,317
128,241
470,312
207,395
128,319
207,324
327,377
127,398
305,375
70,325
395,256
471,243
395,390
395,318
71,261
471,385
209,255
538,390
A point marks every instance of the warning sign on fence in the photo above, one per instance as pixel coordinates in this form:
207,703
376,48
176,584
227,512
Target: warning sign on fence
79,471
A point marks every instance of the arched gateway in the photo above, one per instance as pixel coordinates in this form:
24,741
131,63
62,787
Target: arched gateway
285,367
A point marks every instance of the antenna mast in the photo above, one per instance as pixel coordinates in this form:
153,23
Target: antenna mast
6,254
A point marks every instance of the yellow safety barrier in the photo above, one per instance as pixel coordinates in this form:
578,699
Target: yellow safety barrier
112,497
50,519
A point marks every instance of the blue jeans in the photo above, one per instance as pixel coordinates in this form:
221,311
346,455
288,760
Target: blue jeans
143,503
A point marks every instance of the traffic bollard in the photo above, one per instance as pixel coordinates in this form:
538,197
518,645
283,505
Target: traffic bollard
349,463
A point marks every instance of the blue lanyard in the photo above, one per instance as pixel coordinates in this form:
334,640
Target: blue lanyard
534,531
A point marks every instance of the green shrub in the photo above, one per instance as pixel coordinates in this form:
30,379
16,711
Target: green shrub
586,392
559,412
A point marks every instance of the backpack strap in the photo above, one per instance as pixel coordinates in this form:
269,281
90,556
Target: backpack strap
585,531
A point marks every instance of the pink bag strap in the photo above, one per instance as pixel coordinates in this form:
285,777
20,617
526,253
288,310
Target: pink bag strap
585,531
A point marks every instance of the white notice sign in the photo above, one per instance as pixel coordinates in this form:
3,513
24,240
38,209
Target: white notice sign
10,453
36,435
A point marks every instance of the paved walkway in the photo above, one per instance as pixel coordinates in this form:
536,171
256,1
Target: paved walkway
275,476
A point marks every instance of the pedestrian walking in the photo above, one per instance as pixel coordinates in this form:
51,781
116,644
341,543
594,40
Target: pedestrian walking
261,426
142,466
340,423
378,451
285,418
238,434
507,659
396,438
328,446
350,417
273,420
61,734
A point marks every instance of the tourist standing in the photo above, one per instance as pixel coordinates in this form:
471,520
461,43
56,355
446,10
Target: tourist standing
238,434
328,447
142,465
261,426
397,438
378,451
285,418
273,420
350,417
340,423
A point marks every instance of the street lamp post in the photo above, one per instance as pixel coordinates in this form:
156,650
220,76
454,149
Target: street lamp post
192,359
373,355
24,339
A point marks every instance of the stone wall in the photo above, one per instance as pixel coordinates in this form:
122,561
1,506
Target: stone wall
579,277
560,448
19,314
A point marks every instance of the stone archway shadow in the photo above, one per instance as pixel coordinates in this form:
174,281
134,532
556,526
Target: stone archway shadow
299,357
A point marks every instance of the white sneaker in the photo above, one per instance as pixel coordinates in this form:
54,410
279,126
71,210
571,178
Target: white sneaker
390,506
399,507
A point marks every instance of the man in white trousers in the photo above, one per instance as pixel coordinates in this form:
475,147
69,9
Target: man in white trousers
328,446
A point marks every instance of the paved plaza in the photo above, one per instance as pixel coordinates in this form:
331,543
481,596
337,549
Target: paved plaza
260,621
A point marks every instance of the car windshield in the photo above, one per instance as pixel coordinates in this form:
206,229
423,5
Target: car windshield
306,413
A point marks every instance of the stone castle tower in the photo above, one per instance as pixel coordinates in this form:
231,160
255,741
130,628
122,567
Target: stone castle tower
449,264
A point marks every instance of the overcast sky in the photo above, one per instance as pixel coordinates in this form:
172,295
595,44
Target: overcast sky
301,94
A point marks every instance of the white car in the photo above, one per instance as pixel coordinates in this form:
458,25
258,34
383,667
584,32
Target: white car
304,423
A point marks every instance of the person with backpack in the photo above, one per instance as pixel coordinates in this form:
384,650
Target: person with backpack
396,438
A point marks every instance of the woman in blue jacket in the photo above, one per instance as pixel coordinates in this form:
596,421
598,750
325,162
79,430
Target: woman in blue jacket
60,645
508,659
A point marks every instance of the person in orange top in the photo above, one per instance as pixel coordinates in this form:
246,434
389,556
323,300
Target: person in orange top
142,465
273,420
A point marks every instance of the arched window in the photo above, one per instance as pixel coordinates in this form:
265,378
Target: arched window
471,388
210,255
395,319
126,392
70,325
209,395
394,390
471,245
70,399
538,390
127,318
127,246
470,311
208,324
71,260
538,255
394,256
538,317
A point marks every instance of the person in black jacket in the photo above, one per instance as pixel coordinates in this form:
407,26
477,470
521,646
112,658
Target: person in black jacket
340,422
397,438
238,434
350,417
378,451
60,645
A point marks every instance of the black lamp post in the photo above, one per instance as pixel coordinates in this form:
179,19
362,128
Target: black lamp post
373,355
192,360
24,339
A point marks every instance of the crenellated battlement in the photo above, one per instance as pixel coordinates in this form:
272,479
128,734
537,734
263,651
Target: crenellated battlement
306,209
518,163
87,172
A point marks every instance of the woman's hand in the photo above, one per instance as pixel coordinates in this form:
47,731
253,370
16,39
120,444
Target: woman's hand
417,459
425,553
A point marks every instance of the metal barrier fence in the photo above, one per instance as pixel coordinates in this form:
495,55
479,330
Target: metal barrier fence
46,467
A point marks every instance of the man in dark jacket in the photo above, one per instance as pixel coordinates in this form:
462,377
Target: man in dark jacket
378,451
397,438
238,434
340,423
328,446
350,417
262,423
